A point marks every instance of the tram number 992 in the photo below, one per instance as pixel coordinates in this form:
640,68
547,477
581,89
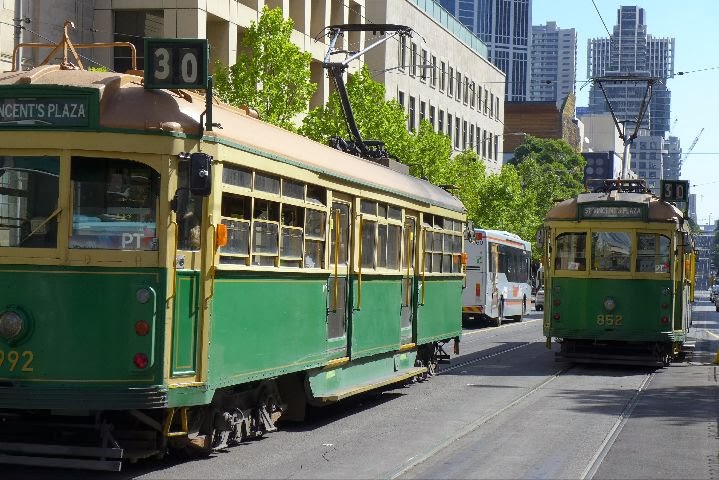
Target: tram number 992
12,361
610,320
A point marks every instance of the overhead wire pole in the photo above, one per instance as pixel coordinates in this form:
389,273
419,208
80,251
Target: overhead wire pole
640,115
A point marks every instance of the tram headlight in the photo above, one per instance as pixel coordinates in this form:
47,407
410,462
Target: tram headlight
609,304
143,295
11,324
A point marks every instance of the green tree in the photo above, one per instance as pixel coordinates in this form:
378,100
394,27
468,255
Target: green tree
376,118
272,75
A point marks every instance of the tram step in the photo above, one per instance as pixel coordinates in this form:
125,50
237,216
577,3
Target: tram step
61,456
334,396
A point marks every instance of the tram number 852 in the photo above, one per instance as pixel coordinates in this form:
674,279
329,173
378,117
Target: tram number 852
175,63
610,320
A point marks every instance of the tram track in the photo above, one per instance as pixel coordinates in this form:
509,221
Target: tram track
472,427
616,429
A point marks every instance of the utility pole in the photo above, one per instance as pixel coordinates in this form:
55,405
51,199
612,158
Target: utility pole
19,20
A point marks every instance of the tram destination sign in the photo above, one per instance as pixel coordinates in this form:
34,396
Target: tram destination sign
613,212
176,63
45,112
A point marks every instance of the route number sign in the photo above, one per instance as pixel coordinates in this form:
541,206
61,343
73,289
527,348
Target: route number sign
176,63
675,190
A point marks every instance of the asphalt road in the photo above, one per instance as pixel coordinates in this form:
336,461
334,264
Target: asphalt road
503,408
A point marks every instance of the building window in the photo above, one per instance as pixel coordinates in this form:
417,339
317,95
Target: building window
484,144
424,65
457,125
449,127
486,101
491,141
479,141
472,95
442,76
496,107
491,106
434,71
431,116
422,110
402,52
464,135
450,82
132,26
459,86
400,99
479,98
411,114
471,137
466,91
413,60
440,122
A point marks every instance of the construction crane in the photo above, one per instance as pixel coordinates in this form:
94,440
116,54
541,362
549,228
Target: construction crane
691,147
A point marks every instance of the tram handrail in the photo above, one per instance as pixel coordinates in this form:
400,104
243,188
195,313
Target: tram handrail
359,276
409,263
212,266
337,256
424,259
174,260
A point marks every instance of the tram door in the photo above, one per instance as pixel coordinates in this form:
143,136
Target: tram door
409,285
337,286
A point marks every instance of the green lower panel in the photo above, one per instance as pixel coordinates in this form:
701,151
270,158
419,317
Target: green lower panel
80,329
365,371
640,307
376,323
440,316
266,325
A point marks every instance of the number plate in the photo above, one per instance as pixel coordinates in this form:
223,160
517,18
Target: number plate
610,320
16,361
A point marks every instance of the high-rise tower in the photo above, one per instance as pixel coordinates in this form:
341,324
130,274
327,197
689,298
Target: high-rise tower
505,27
553,63
630,51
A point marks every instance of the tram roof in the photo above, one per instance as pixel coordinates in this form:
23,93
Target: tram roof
126,104
658,210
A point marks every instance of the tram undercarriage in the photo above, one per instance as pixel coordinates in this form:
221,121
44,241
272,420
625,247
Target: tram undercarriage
652,354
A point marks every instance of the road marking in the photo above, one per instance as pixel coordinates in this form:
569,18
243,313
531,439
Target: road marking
611,437
507,325
712,334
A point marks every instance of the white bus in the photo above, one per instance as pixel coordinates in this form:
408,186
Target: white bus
498,283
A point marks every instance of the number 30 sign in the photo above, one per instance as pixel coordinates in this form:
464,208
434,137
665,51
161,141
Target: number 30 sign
176,63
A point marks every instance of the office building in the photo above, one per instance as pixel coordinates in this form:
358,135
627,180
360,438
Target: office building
553,63
505,27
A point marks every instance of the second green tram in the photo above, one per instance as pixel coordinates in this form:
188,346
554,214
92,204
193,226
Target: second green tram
618,276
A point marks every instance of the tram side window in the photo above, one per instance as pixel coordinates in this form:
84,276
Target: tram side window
189,212
611,251
369,233
341,214
28,201
653,253
570,252
315,222
115,204
265,233
236,214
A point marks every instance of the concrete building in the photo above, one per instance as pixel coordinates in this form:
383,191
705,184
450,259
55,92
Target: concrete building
223,23
631,51
672,161
505,26
447,80
647,153
553,63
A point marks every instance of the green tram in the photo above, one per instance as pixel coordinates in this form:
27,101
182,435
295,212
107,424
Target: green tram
168,286
618,276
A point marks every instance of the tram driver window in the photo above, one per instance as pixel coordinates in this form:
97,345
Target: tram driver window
653,253
611,251
115,204
28,201
571,252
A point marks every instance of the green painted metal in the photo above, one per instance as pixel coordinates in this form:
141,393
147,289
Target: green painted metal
185,324
582,314
376,324
266,324
440,317
324,382
82,326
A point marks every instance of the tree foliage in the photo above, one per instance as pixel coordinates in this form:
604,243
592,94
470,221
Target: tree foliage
376,118
272,75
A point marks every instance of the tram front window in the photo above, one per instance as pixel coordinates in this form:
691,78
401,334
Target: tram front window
114,204
571,252
28,201
611,251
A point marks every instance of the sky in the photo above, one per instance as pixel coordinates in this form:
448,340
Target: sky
695,101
